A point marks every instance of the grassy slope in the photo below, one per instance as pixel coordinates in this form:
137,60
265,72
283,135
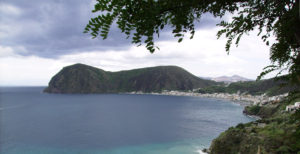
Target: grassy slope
157,79
81,78
270,87
276,132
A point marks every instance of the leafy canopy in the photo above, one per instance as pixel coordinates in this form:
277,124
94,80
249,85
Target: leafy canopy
141,20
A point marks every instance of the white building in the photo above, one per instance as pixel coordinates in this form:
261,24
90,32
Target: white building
294,107
289,108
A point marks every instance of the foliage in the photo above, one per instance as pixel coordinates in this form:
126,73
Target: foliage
213,89
142,20
261,111
252,110
270,87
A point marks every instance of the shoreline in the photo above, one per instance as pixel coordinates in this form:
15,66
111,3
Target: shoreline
241,99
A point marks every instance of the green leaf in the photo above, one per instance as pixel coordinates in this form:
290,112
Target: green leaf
179,40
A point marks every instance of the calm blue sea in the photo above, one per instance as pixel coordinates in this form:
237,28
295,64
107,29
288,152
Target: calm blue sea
32,122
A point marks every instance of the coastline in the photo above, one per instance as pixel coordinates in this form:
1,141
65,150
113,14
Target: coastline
241,99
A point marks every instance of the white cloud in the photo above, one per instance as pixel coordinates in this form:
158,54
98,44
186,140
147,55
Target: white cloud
203,56
6,51
16,70
9,9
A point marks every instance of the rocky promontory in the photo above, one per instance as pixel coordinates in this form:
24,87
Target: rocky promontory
80,78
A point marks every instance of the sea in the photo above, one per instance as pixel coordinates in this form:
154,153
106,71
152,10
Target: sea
33,122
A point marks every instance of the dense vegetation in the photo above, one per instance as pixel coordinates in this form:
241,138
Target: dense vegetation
81,78
277,132
270,87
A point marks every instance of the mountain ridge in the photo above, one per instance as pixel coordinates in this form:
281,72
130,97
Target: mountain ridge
228,79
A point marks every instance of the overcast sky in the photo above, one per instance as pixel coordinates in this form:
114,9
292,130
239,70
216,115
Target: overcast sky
38,38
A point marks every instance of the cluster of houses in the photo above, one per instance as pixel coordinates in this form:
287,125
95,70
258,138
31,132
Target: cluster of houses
242,98
291,108
246,98
255,100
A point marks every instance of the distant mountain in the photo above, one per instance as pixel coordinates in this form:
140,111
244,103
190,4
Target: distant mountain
230,79
80,78
206,78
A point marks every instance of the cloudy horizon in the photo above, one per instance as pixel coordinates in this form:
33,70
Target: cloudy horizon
38,38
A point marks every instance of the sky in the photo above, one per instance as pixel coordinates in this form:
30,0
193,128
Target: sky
38,38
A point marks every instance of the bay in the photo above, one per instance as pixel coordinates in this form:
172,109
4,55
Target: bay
33,122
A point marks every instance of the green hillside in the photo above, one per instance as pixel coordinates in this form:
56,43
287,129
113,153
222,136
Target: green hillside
269,86
278,132
80,78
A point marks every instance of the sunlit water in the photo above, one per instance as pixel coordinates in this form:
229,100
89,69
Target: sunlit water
33,122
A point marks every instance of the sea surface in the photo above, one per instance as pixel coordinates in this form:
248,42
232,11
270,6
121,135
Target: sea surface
33,122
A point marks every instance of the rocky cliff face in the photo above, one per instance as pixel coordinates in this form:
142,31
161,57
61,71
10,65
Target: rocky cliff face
81,78
78,79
